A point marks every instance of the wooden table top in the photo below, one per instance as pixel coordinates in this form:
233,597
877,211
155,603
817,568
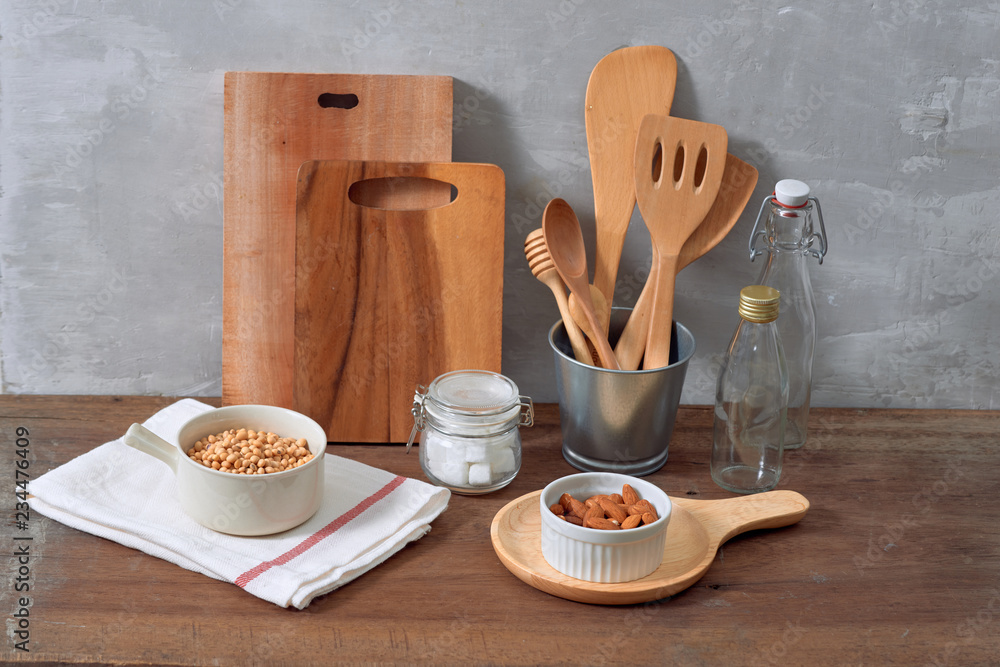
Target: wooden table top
897,562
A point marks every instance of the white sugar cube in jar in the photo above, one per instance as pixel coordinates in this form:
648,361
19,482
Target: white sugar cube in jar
470,421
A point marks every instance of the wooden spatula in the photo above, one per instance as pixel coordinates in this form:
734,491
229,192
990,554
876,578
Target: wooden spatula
624,86
738,182
678,170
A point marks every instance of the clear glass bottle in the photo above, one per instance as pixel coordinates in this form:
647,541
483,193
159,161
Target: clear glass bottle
788,233
470,421
751,399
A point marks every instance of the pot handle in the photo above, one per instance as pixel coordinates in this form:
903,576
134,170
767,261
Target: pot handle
141,438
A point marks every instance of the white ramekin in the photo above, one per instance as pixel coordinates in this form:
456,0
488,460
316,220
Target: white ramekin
602,556
242,504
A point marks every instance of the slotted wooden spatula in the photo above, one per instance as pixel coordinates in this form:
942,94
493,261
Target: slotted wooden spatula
678,169
738,181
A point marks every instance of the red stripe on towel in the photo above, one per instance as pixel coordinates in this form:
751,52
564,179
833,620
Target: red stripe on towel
321,534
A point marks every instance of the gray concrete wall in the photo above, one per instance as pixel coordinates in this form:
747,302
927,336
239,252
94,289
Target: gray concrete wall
111,171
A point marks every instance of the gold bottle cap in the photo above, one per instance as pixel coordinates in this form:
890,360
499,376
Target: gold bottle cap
759,303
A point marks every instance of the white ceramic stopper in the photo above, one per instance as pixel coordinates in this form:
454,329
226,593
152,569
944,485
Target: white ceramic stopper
791,193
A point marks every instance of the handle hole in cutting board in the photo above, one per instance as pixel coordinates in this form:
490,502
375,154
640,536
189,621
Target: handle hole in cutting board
402,193
338,101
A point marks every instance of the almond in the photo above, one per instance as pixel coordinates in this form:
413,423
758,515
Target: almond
647,507
629,495
603,524
572,506
564,501
595,512
606,511
576,508
613,510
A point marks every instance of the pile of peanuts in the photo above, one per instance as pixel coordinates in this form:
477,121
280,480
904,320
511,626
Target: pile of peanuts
614,511
248,452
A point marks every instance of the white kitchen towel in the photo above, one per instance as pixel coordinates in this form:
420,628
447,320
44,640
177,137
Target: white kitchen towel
121,494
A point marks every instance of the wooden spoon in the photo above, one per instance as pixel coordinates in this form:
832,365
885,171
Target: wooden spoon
738,182
542,268
696,530
603,312
678,170
624,86
569,254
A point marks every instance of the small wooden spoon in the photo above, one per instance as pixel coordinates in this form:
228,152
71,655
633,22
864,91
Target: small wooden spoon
540,263
569,254
678,170
738,182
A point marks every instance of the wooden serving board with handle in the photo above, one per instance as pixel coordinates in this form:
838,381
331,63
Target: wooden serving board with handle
696,530
389,295
273,123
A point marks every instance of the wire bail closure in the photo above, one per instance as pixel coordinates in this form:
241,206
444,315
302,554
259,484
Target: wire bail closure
527,411
757,232
419,418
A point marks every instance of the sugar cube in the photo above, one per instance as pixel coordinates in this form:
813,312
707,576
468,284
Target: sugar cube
477,452
480,474
502,460
453,473
435,449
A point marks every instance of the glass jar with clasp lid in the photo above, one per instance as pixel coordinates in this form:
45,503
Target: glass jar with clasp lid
470,421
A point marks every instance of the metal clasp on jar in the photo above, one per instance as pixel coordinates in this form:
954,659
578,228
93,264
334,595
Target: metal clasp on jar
419,417
527,411
759,232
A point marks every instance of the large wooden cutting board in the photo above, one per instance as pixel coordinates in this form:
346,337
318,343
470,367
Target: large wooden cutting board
387,299
273,123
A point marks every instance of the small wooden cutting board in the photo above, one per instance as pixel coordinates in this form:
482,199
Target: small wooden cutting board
388,296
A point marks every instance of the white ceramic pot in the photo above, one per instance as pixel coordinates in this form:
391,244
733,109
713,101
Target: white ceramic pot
242,504
603,556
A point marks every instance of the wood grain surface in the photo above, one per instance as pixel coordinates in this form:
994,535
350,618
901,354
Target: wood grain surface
387,298
273,123
896,562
